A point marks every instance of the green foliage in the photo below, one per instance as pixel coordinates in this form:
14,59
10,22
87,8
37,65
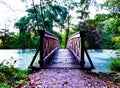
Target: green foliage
93,38
47,14
41,16
111,32
63,41
109,25
11,76
115,65
5,38
24,40
82,9
52,13
116,41
112,5
3,85
22,23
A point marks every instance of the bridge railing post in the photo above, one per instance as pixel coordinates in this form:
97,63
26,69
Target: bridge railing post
41,57
82,35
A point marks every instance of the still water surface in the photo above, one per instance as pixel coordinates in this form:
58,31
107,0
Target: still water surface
101,58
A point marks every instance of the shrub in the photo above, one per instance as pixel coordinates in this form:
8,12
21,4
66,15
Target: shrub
115,66
11,76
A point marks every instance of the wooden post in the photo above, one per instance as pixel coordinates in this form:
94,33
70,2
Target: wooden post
82,62
41,34
34,57
92,66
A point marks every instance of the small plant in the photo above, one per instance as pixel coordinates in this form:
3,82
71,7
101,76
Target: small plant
11,76
115,65
118,54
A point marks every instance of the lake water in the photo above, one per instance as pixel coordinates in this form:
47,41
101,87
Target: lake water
101,58
23,58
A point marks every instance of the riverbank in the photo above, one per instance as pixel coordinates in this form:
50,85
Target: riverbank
67,78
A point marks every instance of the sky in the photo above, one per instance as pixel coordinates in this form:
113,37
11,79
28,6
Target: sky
13,10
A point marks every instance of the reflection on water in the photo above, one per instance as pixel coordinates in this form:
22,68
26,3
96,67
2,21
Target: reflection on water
101,58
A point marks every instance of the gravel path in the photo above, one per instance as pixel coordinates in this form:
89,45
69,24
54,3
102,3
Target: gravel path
65,78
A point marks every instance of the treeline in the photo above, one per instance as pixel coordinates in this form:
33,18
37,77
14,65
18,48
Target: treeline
103,32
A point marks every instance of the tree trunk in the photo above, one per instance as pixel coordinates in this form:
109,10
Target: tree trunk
67,30
43,20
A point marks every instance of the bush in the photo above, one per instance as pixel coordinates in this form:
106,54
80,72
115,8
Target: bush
11,76
115,66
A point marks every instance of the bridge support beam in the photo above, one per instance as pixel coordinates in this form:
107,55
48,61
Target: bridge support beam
82,62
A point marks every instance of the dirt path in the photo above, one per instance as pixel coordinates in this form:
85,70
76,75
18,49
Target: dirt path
65,78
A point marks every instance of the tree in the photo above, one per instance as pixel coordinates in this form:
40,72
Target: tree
80,7
109,26
24,36
112,5
5,37
112,25
22,24
69,6
48,13
42,17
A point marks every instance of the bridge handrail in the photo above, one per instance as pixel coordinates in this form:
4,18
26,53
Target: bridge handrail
49,43
77,34
48,34
76,45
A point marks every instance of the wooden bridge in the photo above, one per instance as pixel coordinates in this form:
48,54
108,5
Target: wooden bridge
51,56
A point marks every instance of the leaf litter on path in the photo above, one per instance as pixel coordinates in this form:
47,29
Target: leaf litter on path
66,78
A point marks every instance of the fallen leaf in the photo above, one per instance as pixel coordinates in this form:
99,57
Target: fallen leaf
36,79
39,83
65,82
89,85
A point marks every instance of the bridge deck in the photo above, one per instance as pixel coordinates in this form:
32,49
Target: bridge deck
63,58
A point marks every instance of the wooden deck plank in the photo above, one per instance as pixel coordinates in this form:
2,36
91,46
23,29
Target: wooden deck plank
63,58
63,55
